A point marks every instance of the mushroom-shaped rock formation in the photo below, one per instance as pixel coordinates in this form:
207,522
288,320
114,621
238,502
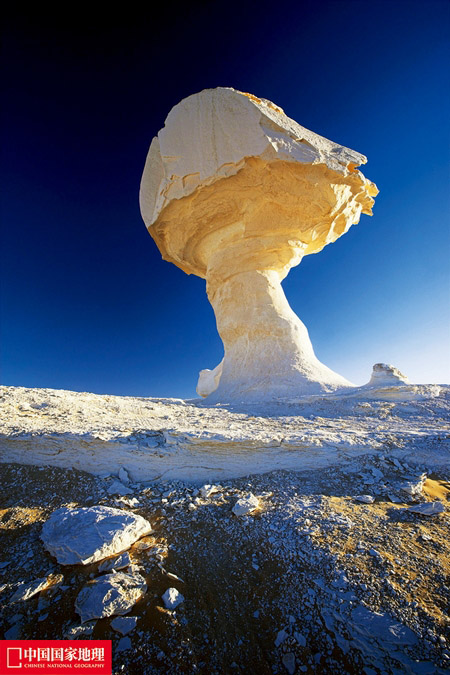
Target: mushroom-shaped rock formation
237,193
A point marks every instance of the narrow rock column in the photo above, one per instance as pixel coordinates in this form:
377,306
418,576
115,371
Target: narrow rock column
266,345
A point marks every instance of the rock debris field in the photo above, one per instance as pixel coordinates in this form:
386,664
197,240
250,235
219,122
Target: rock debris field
333,557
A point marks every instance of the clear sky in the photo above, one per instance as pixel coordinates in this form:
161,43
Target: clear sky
87,302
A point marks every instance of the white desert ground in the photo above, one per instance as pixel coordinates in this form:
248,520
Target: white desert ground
309,536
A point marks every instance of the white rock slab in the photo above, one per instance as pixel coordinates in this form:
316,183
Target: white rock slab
117,563
365,499
27,591
85,535
246,505
124,624
214,443
117,488
428,508
109,595
172,598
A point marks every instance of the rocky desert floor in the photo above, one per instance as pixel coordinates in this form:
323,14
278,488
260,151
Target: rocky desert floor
336,570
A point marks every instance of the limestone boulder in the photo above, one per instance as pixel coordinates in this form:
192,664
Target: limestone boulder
82,536
110,595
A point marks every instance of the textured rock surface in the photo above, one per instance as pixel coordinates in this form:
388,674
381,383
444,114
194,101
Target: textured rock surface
237,193
117,563
384,375
245,505
172,598
86,535
315,572
111,594
173,438
428,508
27,591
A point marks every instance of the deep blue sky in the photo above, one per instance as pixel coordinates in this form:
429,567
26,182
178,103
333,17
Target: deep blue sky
87,302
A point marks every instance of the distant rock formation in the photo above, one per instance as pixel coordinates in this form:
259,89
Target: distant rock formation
237,193
384,375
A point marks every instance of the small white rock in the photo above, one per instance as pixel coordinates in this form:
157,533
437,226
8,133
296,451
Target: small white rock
207,490
172,598
127,501
365,499
245,505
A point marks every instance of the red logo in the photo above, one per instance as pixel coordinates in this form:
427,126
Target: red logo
55,656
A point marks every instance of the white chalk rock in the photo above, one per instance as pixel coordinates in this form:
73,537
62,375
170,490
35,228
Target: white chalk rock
208,380
414,487
172,598
111,594
237,193
207,490
85,535
209,135
118,488
116,563
384,375
427,508
365,499
27,591
124,624
245,505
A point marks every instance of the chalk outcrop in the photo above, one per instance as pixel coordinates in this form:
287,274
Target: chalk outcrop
86,535
384,375
237,193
